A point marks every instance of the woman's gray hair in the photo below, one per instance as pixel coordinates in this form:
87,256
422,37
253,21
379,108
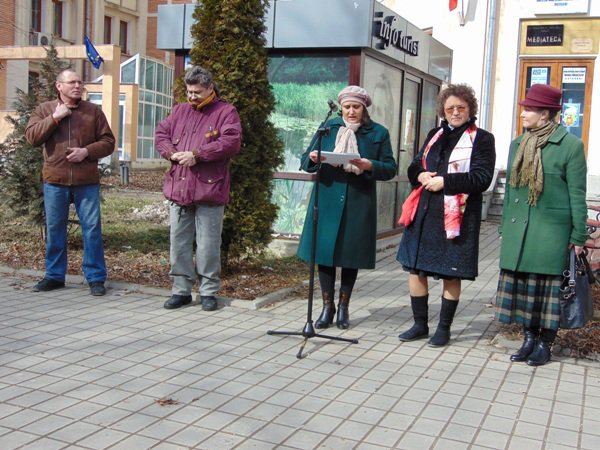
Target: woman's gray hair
198,75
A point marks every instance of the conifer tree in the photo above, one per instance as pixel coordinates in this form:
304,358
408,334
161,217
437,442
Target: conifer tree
229,42
20,162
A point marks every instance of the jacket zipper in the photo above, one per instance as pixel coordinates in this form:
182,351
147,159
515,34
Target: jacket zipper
69,162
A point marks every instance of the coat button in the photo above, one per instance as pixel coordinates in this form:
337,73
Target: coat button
516,200
513,220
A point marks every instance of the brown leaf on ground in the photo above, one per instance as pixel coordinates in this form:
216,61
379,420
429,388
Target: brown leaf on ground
166,402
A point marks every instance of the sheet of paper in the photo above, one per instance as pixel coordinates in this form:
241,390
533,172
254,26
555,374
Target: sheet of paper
338,158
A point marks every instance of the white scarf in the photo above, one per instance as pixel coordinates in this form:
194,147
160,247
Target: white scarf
459,162
345,142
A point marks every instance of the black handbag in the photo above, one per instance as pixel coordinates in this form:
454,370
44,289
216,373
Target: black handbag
576,302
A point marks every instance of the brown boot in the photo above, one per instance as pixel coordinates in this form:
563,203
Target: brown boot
326,317
343,315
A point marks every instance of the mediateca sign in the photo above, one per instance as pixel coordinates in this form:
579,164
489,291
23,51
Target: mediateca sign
388,30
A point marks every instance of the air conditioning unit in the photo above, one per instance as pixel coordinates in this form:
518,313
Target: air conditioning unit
39,38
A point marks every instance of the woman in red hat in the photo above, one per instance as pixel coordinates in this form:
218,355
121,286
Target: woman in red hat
544,216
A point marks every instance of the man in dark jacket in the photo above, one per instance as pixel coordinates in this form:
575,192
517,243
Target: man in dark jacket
198,138
74,134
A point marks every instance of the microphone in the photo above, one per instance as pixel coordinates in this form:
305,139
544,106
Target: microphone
332,106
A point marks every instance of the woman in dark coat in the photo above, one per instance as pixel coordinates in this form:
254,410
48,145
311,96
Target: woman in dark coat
544,215
455,165
347,225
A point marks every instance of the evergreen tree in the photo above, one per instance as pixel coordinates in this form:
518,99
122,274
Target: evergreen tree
229,42
21,163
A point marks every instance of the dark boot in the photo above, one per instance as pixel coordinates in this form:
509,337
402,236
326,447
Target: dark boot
441,337
326,317
542,351
343,315
420,329
531,337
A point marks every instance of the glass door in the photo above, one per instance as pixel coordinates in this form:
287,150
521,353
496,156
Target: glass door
409,134
574,78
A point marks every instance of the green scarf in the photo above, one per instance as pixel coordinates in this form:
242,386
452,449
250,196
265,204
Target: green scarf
527,167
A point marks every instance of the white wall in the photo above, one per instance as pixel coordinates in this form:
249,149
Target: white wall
468,43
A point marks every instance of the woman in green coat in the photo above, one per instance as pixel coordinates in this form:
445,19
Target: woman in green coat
544,216
347,223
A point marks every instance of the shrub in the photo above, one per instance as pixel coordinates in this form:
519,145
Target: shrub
229,42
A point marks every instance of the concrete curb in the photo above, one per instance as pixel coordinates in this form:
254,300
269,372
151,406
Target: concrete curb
256,304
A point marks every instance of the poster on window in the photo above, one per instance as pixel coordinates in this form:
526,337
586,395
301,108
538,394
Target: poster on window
573,75
539,75
570,114
561,6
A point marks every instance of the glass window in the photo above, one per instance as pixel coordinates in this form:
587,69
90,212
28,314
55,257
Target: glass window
147,148
148,96
292,196
384,84
95,98
142,72
386,197
150,73
57,28
107,30
148,121
36,15
128,72
302,85
123,36
429,118
573,99
160,78
410,121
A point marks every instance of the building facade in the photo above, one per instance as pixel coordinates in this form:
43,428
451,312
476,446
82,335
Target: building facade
317,48
502,47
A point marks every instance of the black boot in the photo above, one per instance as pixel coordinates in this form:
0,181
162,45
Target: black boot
420,329
542,352
326,317
441,337
343,315
531,336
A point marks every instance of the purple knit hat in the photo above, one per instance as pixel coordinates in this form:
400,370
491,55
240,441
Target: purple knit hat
354,94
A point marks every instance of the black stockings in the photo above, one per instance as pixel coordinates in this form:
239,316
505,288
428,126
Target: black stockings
327,278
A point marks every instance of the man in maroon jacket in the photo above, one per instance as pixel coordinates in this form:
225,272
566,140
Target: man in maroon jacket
199,138
74,134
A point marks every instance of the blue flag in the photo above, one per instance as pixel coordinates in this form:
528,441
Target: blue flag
92,53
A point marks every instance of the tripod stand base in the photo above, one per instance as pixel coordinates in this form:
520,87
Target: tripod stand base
309,332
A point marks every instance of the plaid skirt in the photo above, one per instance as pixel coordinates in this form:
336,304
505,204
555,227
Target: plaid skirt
530,299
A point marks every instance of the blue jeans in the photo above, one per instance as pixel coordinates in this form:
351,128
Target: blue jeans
86,198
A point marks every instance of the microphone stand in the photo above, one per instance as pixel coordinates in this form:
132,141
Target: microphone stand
309,330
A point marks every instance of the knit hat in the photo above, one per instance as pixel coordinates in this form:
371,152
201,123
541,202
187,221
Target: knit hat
354,94
543,96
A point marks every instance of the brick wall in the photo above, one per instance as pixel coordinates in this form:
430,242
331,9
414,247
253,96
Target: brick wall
7,31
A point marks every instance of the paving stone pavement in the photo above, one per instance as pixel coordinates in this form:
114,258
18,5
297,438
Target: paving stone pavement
120,372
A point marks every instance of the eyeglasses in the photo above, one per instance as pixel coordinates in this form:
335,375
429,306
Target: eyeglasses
72,82
193,94
450,109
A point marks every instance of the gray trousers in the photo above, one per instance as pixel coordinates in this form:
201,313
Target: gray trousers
205,224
